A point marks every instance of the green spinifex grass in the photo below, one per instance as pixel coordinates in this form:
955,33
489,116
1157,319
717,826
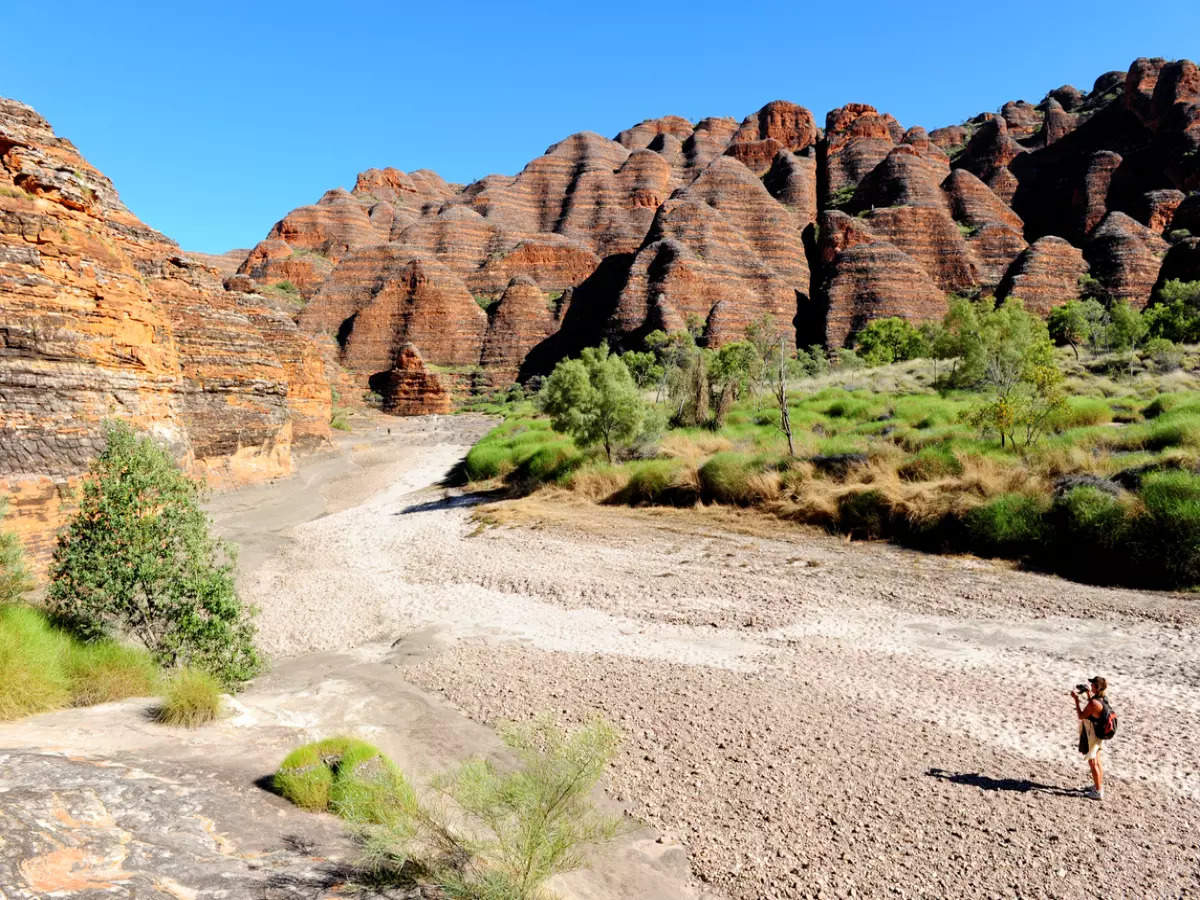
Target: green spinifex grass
44,668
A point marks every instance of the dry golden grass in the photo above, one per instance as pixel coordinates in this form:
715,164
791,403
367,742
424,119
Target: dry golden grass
693,449
596,482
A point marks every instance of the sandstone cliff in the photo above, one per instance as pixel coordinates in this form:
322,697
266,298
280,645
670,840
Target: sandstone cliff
101,317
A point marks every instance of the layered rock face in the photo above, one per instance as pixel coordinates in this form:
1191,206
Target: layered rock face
103,318
722,221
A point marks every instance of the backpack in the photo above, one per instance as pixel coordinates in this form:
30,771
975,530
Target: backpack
1105,725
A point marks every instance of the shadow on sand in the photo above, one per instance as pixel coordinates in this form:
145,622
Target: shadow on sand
453,501
987,783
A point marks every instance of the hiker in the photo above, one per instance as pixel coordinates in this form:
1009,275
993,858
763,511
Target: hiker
1095,726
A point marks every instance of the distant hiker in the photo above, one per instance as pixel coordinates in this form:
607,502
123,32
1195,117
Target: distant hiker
1097,723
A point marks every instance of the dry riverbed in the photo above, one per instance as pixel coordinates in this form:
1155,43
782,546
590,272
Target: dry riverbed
807,716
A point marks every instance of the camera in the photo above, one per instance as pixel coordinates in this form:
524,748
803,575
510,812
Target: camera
1081,688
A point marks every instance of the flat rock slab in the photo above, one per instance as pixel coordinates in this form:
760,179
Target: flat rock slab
105,802
91,827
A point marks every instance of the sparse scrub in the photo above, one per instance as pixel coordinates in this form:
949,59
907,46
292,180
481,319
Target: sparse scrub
192,698
876,452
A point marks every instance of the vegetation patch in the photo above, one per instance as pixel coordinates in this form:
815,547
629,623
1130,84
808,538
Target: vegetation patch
192,699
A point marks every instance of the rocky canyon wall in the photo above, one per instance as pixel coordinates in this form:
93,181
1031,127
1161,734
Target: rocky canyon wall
101,317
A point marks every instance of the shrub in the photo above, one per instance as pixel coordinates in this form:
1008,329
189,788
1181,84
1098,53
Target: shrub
1180,429
548,462
1079,412
889,340
594,400
1010,525
349,778
1087,531
1167,535
192,699
523,825
930,464
138,557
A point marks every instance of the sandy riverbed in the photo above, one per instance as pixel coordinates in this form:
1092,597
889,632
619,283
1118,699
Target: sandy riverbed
807,716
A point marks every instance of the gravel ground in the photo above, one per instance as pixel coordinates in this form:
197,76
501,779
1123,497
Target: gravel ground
810,717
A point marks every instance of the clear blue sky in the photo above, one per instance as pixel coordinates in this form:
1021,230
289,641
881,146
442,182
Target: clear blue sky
215,119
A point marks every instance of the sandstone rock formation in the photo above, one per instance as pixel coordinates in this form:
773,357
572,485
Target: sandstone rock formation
101,317
724,220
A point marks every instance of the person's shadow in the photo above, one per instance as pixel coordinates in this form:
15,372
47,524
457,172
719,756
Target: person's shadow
987,783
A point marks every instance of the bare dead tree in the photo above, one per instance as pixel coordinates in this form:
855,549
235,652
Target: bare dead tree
781,397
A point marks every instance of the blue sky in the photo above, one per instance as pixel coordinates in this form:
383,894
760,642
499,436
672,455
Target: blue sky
215,119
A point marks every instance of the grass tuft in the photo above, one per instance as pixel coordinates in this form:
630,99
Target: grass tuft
192,699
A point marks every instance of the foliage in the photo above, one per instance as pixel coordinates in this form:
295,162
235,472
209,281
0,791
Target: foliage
848,360
349,778
1010,525
43,667
1126,327
14,574
1166,355
1006,352
523,824
1068,324
889,340
138,558
192,699
287,287
1167,534
1175,316
729,376
643,366
594,400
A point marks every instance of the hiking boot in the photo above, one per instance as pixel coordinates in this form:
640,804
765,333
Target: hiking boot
1093,794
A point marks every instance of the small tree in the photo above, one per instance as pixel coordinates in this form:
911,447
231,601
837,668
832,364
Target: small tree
1126,330
1176,313
890,340
781,395
522,825
730,372
14,574
1068,325
643,366
594,400
138,558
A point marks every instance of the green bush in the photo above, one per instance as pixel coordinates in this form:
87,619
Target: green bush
349,778
930,464
192,699
518,826
1167,535
1087,535
1010,525
138,558
1179,429
728,478
548,462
